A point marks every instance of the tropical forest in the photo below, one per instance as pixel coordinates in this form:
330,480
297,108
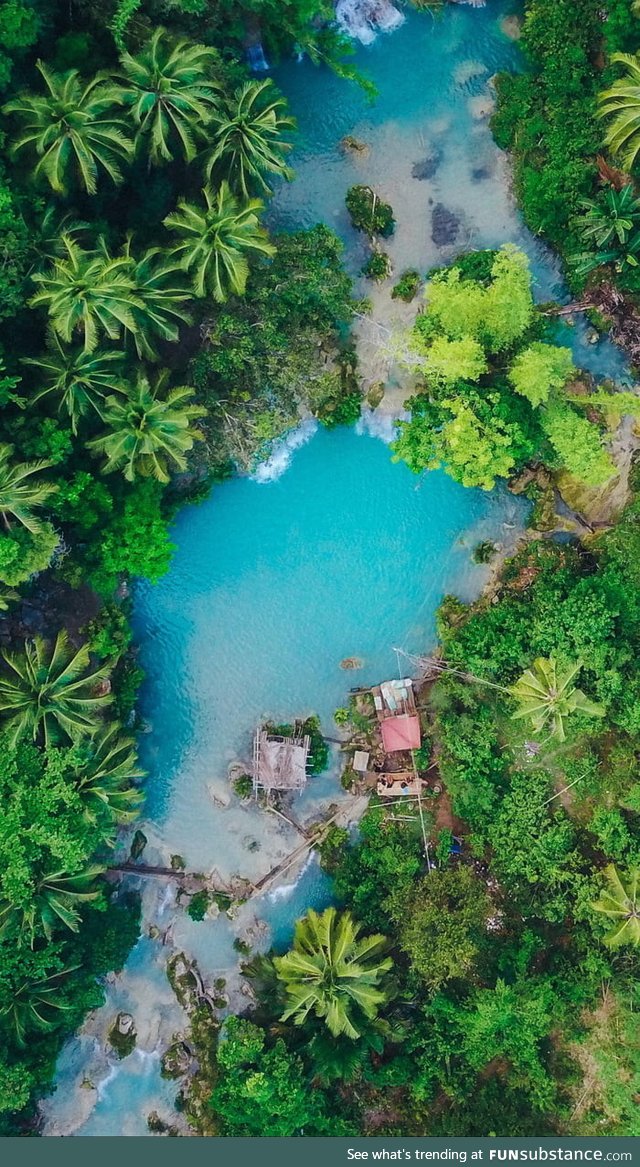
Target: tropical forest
319,568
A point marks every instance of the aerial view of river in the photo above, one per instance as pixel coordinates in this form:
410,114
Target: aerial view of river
330,551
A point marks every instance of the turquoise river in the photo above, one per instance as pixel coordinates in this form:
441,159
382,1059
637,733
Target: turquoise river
330,551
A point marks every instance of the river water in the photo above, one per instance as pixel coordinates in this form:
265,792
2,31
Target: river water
331,552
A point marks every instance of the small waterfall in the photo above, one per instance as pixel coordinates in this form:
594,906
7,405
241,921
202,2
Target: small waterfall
283,450
364,19
287,889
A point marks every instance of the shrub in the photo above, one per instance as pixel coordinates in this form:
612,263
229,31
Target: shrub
369,213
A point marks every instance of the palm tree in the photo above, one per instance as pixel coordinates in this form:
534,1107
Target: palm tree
34,1003
80,379
612,225
148,429
20,492
248,141
89,293
170,92
160,292
105,775
621,104
48,693
71,130
621,902
55,900
215,240
333,972
544,694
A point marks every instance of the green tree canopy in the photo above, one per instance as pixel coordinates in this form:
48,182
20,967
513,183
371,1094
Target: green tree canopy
22,492
79,379
49,693
249,138
333,972
214,241
148,429
71,130
620,903
541,369
546,695
263,1088
620,106
170,90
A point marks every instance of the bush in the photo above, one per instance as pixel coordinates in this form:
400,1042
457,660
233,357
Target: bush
377,267
199,905
369,213
407,286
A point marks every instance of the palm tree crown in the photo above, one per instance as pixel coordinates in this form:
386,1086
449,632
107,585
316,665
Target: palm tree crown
71,130
160,295
80,379
215,241
20,492
48,694
545,695
169,89
621,104
54,900
248,142
333,972
34,1004
88,293
105,774
621,903
148,429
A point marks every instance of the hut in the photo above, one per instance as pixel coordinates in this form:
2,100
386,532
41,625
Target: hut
279,762
397,715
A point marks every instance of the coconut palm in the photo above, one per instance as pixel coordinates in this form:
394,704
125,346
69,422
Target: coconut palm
333,972
71,130
545,695
88,294
55,899
620,104
21,492
79,379
248,142
149,429
215,240
49,695
620,902
169,90
34,1004
105,774
612,225
52,228
160,295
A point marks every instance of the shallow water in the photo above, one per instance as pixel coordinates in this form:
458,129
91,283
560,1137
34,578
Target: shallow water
341,554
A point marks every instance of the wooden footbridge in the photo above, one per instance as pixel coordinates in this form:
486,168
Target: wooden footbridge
240,888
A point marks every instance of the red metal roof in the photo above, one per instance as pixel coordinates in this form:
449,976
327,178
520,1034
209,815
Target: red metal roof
401,733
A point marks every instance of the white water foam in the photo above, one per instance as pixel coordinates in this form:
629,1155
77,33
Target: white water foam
107,1080
364,19
283,451
376,424
166,900
287,889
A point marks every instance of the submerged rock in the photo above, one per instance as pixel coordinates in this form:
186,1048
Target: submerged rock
427,167
511,26
444,226
481,107
351,145
122,1035
468,71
